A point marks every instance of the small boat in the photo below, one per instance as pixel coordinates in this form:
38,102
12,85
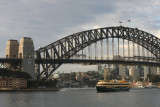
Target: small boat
150,85
138,85
112,85
158,86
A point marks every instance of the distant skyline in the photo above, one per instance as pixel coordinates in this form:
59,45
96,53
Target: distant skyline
46,21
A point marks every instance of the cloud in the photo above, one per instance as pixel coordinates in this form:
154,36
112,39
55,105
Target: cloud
76,68
46,21
158,34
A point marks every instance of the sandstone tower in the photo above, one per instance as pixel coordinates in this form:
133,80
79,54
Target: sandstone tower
26,52
12,49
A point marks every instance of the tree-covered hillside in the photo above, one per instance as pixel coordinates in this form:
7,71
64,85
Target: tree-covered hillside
16,74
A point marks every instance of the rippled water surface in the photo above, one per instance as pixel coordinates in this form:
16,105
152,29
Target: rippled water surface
82,98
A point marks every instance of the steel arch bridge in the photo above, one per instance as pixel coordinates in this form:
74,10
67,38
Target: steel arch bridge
55,54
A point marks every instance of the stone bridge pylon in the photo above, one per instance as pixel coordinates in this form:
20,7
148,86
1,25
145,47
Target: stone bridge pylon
23,50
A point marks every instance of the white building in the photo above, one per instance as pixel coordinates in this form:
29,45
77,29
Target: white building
158,70
134,71
79,77
131,71
146,71
99,67
122,70
56,75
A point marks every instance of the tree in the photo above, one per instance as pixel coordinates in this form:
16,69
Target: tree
15,74
153,78
109,77
33,84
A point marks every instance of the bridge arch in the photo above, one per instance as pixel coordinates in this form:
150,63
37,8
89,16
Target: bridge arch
70,45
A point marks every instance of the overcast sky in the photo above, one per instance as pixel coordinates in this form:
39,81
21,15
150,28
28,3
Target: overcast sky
46,21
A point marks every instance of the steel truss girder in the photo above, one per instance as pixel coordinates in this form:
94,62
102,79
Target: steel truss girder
10,63
79,41
89,61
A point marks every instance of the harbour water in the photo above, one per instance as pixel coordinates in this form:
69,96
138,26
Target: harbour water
84,97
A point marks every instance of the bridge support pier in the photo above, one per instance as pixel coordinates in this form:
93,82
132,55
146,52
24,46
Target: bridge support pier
26,52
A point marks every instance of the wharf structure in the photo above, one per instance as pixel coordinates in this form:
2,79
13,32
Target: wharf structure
12,83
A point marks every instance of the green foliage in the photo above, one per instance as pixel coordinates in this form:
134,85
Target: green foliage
109,77
153,78
92,83
32,83
140,79
16,74
71,76
42,83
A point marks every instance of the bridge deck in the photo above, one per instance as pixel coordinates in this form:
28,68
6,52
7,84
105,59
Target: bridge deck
84,61
9,60
124,62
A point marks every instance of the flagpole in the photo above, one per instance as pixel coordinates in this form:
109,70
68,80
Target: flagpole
120,23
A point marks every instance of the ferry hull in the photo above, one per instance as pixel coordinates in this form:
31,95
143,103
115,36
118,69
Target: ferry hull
105,89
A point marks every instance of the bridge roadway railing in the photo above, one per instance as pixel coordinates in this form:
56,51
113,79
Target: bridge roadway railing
140,61
15,63
10,63
10,60
91,61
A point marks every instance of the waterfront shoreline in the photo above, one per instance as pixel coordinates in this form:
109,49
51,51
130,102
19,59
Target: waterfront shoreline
31,90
